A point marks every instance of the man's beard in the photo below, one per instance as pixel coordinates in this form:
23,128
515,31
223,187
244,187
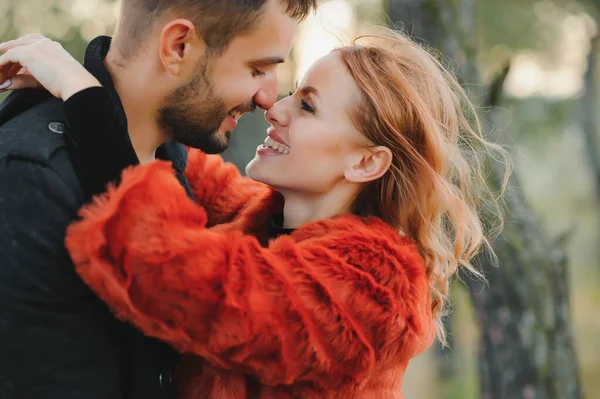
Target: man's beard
192,114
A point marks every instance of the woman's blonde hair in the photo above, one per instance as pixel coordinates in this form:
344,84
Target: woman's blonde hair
434,189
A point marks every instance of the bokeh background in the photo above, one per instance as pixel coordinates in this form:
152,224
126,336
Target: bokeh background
547,114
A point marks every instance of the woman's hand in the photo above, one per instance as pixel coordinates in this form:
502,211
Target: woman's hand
34,61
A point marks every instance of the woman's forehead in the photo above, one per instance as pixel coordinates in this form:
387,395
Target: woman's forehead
332,80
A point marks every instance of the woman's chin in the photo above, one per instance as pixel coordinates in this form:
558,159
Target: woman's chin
263,172
255,171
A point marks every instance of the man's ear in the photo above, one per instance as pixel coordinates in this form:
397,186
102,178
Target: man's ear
180,44
369,164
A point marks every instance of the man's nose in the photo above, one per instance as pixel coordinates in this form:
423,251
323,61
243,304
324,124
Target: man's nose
266,96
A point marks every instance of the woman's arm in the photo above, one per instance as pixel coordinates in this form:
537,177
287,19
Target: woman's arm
227,196
98,131
91,115
325,305
34,61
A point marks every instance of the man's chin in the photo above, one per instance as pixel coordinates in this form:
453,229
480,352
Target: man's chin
214,150
211,146
223,132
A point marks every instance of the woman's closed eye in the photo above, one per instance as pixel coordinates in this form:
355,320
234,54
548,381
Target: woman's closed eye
305,106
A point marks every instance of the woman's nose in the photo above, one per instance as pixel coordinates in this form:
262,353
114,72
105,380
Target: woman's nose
276,115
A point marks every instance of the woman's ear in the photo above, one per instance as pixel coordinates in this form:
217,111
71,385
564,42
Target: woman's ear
180,46
372,163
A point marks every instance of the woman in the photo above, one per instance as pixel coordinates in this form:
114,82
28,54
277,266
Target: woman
330,292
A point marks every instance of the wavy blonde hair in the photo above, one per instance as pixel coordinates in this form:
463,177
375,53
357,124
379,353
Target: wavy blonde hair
435,188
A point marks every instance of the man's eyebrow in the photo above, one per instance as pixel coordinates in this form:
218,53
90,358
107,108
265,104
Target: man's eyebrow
267,61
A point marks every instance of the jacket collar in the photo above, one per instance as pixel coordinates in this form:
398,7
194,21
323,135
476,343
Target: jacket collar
171,151
94,63
275,226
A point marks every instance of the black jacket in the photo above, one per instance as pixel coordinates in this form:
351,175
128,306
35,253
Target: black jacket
57,340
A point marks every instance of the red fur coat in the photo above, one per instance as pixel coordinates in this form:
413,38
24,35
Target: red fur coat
335,310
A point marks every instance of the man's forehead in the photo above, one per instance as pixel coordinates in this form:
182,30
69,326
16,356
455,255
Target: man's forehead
264,48
276,29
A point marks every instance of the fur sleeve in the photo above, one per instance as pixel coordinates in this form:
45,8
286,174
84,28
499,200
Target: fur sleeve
325,305
224,193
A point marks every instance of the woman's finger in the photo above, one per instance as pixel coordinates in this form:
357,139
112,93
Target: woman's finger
15,56
7,64
21,41
5,71
15,70
9,70
20,82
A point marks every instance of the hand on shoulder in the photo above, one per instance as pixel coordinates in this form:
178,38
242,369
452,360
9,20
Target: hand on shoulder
34,61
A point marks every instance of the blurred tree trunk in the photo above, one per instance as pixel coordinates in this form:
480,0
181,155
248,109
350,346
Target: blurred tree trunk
590,102
590,110
526,348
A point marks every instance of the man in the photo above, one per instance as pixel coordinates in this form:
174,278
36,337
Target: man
180,71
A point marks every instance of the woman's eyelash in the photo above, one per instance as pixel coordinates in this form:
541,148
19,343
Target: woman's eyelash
256,72
307,107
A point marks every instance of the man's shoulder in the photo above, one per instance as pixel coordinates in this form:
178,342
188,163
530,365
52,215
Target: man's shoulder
33,130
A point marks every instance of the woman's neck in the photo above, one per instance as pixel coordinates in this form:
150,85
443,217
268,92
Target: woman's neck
300,209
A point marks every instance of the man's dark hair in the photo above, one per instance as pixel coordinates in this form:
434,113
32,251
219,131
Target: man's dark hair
217,21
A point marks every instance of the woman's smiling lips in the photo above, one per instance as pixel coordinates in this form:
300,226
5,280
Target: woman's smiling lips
272,134
273,145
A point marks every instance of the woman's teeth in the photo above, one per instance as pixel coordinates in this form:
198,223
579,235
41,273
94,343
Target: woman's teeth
280,148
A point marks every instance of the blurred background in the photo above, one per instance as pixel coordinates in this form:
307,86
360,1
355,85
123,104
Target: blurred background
534,330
